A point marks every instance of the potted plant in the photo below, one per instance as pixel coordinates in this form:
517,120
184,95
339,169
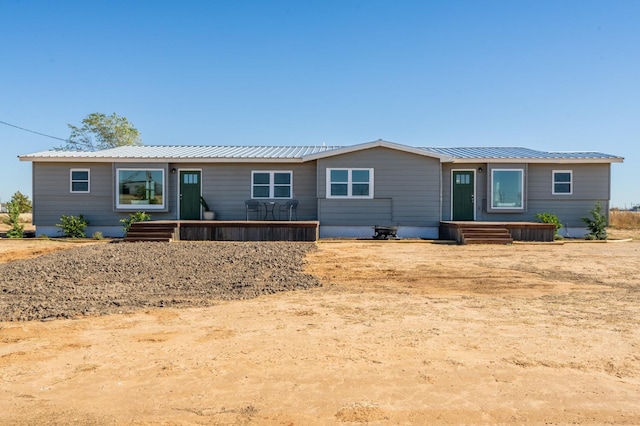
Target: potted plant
207,213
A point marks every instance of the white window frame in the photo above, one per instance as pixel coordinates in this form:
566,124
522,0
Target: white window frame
272,184
350,183
141,206
553,182
522,189
72,181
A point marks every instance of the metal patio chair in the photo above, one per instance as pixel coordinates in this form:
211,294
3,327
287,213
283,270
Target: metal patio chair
289,209
253,206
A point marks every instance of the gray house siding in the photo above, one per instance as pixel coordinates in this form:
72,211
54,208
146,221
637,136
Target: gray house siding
590,183
226,186
52,197
406,190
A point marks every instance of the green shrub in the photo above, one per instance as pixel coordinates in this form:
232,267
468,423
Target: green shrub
23,202
13,220
552,219
596,224
73,226
97,236
133,218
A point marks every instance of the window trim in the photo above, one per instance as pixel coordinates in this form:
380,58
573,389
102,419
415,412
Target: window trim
162,206
272,184
522,190
553,182
350,183
72,181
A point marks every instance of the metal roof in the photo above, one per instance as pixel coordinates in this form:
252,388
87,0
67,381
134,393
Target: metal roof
517,153
188,152
222,153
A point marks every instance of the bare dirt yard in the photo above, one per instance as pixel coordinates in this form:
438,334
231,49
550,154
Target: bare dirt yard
399,332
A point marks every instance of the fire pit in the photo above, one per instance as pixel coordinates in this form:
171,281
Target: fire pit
384,232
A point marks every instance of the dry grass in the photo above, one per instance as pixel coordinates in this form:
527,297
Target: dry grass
624,219
24,217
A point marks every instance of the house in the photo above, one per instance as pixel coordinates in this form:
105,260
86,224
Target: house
347,189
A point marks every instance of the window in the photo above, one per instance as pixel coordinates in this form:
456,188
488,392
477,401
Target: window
79,180
271,184
140,187
507,188
562,182
350,183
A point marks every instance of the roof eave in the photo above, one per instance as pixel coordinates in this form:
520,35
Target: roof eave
539,160
157,160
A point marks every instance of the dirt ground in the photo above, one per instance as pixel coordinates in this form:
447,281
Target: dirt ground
400,333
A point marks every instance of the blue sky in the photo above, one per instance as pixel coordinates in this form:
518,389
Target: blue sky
549,75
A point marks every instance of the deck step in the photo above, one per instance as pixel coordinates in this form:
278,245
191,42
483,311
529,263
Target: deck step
149,231
487,235
487,241
148,239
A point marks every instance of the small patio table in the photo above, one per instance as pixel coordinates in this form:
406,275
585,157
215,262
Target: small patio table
269,207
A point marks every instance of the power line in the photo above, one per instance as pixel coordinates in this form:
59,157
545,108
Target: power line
33,131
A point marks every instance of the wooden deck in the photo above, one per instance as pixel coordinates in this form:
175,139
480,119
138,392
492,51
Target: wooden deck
217,230
496,232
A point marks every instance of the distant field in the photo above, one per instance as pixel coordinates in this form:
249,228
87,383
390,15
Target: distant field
624,219
25,218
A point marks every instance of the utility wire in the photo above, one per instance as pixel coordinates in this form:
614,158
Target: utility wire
33,131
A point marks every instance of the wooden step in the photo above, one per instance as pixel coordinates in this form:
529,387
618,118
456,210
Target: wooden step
150,231
148,239
487,235
488,241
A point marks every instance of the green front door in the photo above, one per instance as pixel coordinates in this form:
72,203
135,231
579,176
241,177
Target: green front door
190,194
462,197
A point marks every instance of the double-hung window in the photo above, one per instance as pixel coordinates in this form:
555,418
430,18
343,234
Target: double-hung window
507,189
79,180
138,188
349,183
562,182
271,184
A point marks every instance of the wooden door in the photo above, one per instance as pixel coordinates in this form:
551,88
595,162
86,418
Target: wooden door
463,188
190,190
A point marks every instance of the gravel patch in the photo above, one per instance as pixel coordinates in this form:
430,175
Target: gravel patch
124,277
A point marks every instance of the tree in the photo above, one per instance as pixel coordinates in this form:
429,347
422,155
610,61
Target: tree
596,224
13,220
99,131
22,202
